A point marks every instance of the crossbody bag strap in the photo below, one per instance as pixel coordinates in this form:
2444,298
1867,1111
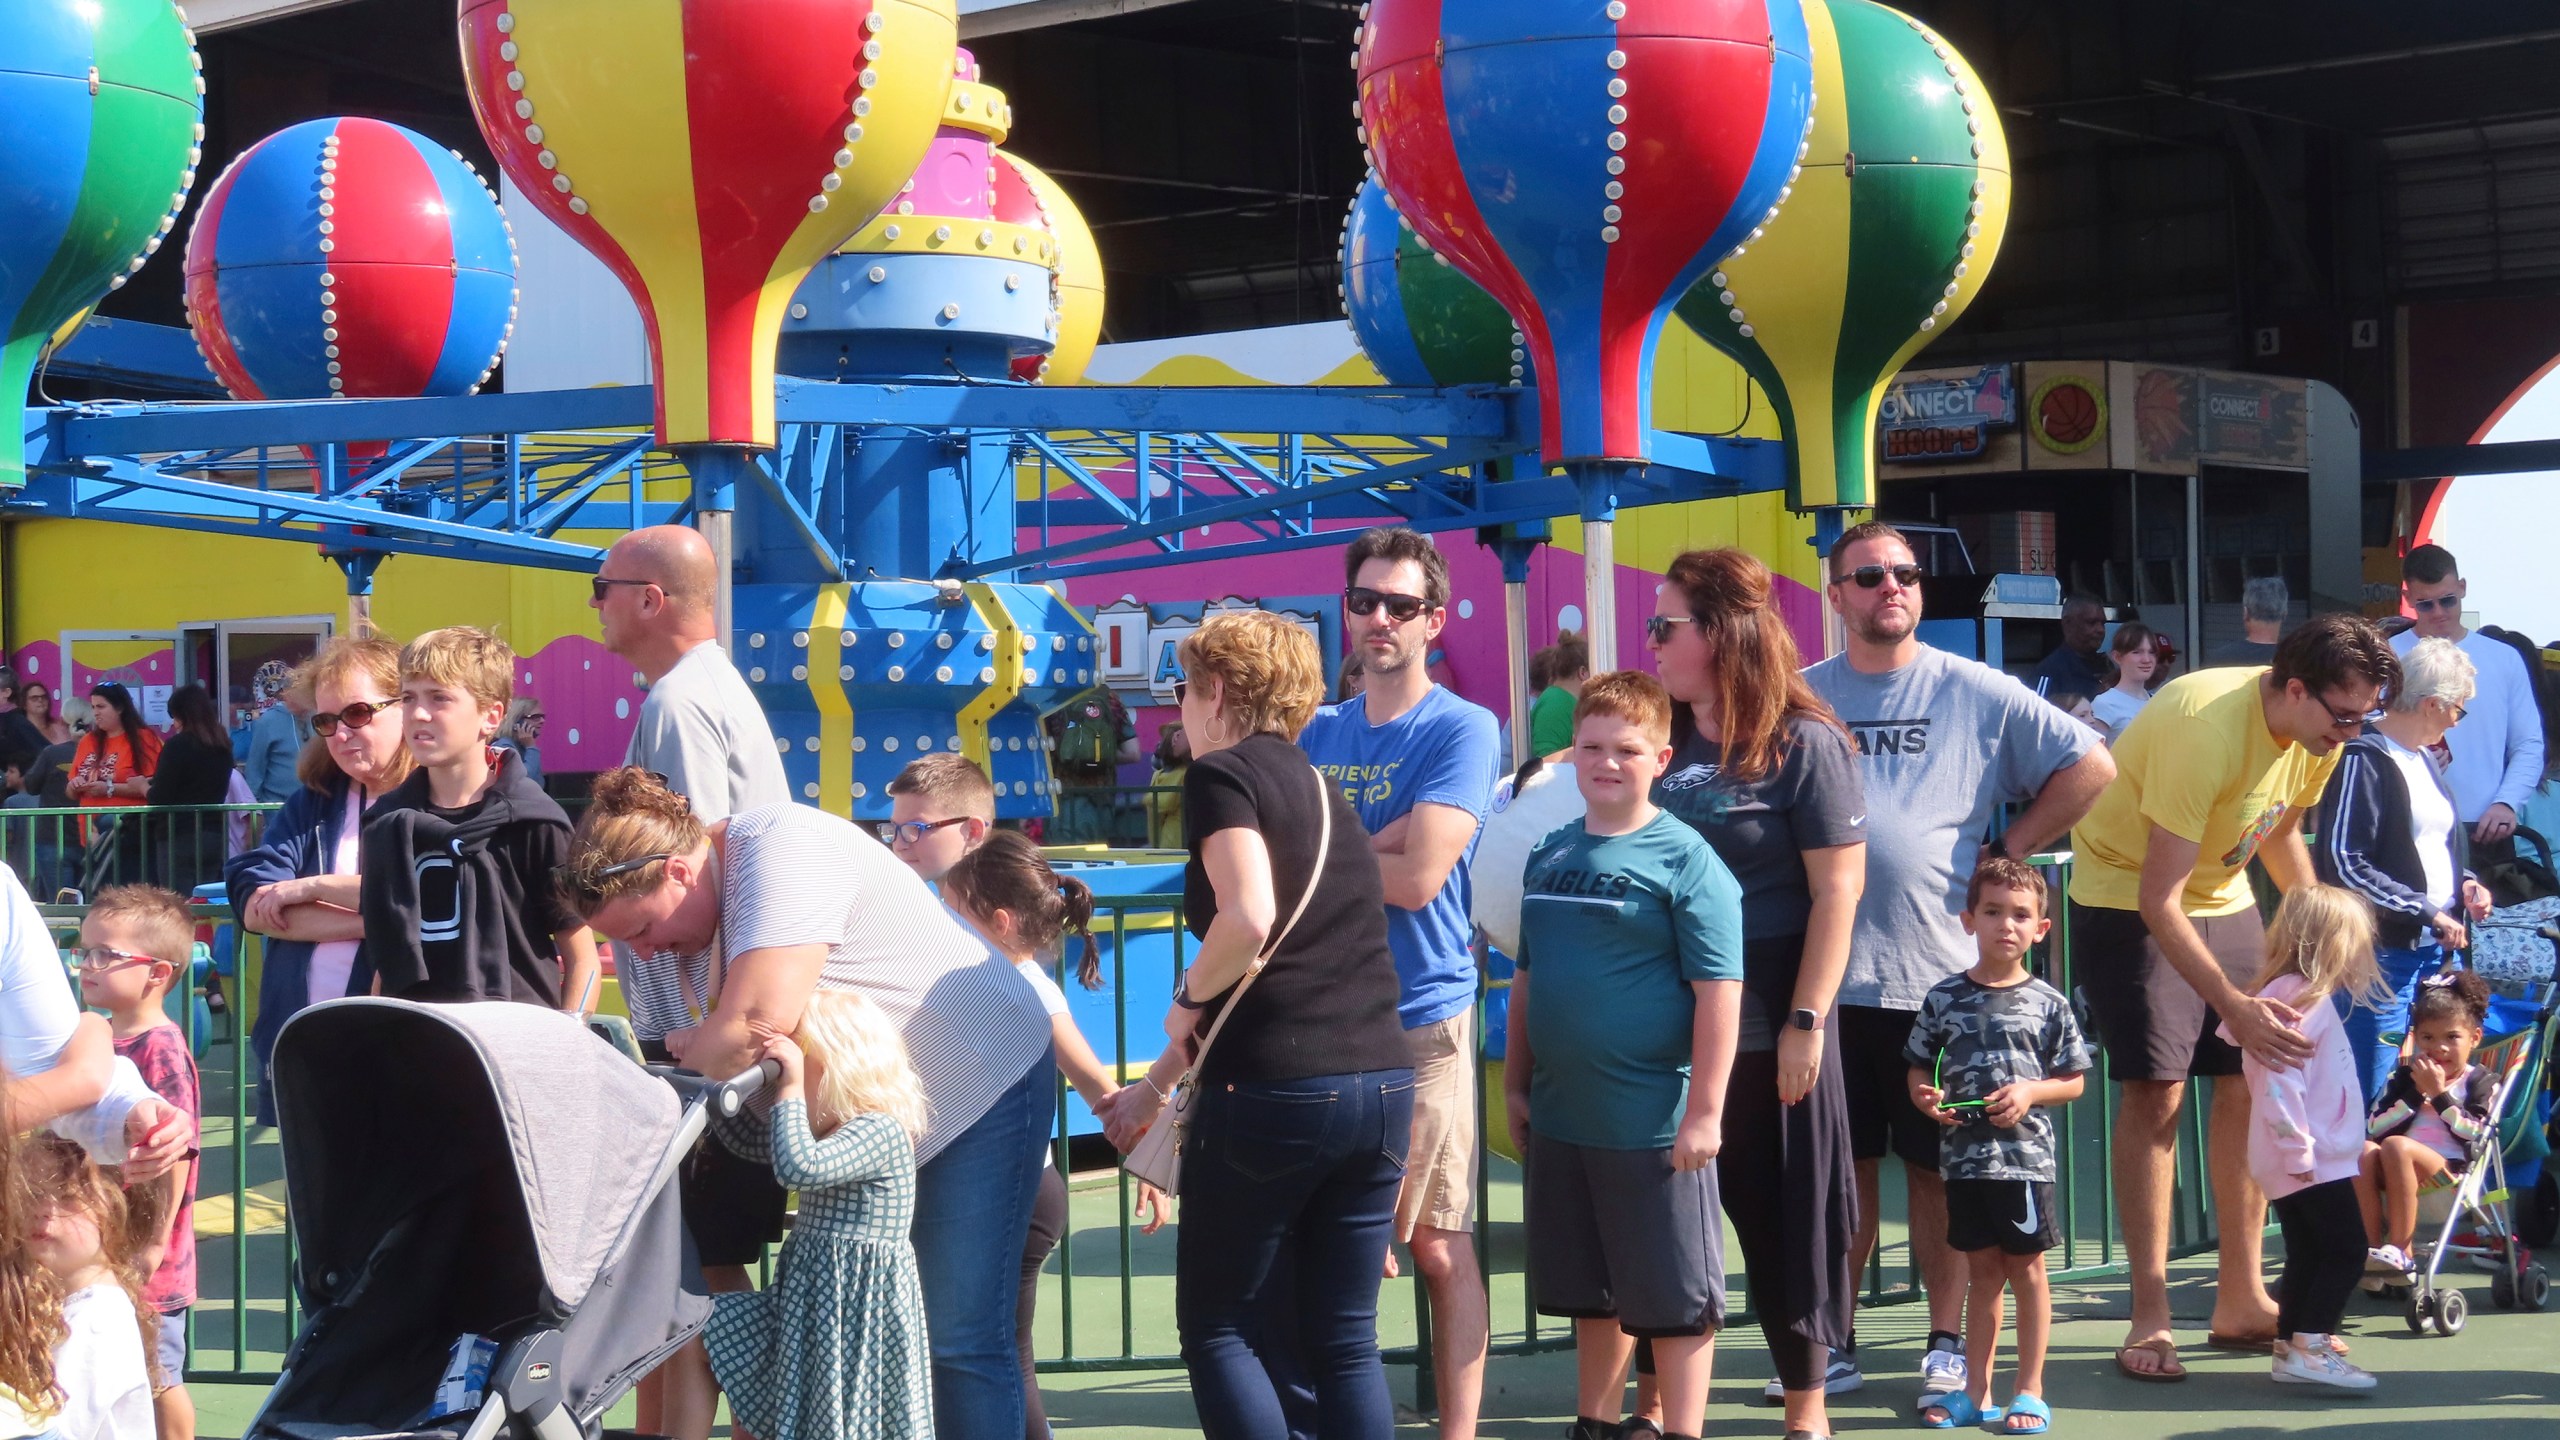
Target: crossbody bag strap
1324,845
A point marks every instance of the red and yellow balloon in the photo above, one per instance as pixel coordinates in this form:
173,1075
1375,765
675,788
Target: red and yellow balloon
709,152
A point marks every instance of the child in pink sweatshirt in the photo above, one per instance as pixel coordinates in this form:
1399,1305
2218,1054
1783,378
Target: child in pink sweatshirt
2306,1135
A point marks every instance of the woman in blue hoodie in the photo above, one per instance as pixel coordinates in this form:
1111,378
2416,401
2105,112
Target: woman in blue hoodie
2388,831
299,888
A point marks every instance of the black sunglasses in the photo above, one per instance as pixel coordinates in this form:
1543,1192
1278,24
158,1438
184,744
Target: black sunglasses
1869,577
1657,628
597,585
354,717
592,882
1181,691
1361,600
2451,603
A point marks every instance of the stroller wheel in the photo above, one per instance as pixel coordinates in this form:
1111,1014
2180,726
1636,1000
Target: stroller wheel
2502,1290
2421,1310
2534,1291
2538,1218
2451,1311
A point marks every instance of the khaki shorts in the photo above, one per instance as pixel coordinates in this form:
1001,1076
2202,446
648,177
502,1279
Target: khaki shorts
1440,1167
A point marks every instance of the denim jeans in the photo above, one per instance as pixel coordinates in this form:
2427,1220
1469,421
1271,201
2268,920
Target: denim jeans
973,1208
2375,1056
1303,1173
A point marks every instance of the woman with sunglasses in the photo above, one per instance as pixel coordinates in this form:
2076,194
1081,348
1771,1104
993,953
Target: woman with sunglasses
31,727
299,886
1764,770
2388,831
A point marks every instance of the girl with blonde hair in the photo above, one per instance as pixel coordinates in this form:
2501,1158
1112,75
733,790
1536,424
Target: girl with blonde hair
836,1347
2307,1127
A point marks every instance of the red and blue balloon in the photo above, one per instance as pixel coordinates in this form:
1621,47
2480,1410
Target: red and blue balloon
350,257
1586,161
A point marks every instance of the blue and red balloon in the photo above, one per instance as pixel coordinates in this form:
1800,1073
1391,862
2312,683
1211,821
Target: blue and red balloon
350,257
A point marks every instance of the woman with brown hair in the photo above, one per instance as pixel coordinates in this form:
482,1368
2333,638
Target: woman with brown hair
194,771
1764,770
1296,1142
299,886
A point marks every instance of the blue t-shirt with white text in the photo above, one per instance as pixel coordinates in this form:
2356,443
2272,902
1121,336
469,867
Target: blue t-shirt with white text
1443,751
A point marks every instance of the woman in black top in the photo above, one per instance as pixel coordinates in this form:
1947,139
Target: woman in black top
1763,769
194,769
1296,1146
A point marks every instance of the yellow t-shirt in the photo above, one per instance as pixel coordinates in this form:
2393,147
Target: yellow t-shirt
2197,762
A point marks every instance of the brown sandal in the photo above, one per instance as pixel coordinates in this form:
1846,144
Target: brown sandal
2170,1371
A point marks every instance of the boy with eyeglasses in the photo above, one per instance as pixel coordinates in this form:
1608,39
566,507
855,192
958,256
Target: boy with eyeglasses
1419,765
137,943
941,807
457,862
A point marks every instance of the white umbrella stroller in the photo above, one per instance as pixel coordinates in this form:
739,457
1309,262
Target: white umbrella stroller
486,1170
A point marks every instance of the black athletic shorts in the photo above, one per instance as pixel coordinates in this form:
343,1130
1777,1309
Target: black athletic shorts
2014,1217
732,1205
1620,1234
1877,1079
2152,1024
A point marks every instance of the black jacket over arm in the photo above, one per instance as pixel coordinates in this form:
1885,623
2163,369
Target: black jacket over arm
2368,843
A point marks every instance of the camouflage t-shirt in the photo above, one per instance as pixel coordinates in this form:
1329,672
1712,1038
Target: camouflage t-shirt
1989,1037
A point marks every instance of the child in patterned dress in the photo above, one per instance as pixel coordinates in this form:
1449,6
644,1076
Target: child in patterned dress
836,1347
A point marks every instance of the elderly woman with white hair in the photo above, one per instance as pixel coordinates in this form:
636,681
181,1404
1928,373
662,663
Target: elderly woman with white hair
2387,831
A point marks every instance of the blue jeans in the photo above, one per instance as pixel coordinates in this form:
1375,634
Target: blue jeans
1302,1173
2375,1056
973,1208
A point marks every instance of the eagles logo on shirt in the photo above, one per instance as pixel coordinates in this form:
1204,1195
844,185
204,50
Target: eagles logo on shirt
1689,777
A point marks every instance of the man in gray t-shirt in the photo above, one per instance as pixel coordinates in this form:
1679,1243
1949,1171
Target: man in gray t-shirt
1943,742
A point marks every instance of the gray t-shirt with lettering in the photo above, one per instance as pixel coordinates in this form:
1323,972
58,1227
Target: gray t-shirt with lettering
1941,742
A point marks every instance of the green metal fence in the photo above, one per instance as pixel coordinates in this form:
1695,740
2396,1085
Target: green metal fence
1107,1303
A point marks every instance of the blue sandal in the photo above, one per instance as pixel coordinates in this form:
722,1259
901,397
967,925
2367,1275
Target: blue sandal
2031,1406
1960,1410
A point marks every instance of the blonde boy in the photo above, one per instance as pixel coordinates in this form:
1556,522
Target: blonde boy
940,808
457,866
136,945
1616,1076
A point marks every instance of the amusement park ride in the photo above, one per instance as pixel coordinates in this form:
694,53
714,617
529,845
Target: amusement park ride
818,187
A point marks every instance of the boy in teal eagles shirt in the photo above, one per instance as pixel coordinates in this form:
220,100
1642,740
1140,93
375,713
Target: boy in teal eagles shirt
1615,1081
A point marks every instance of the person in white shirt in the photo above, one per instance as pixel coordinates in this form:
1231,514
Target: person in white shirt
2496,756
2136,653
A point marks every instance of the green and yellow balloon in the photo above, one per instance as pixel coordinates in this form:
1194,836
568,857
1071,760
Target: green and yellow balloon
101,111
1881,241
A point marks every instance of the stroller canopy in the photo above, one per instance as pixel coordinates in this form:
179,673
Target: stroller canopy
376,1099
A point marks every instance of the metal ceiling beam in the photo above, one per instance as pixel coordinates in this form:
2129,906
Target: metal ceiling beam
2380,57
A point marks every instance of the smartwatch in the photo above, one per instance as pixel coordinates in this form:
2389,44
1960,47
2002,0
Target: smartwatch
1804,1019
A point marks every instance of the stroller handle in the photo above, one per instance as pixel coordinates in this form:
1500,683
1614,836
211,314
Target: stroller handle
731,1095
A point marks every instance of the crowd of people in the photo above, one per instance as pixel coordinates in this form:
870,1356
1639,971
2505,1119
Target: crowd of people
1790,932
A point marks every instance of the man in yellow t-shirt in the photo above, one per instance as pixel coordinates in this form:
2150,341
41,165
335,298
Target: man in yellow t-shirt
2166,937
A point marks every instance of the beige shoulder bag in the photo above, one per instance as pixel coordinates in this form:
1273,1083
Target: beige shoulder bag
1158,1156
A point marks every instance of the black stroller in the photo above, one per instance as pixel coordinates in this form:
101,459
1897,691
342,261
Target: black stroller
487,1170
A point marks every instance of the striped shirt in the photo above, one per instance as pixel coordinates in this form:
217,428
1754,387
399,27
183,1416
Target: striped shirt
792,875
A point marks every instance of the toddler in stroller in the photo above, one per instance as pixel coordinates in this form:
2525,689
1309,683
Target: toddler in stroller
489,1241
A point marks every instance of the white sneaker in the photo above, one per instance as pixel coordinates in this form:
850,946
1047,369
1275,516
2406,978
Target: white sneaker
2318,1365
1839,1378
2389,1261
1942,1373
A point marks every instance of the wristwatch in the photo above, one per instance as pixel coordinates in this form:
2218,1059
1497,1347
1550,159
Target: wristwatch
1805,1019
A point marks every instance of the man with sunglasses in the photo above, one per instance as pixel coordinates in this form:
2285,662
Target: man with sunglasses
701,729
1942,742
2167,940
1419,765
2496,750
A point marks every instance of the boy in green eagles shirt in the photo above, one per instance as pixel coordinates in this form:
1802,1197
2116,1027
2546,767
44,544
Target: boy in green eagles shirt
1615,1082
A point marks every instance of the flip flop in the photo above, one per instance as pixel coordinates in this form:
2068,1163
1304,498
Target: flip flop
1961,1411
2031,1406
2256,1342
2171,1372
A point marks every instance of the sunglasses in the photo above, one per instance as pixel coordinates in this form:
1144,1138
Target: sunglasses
597,585
1361,600
102,959
2450,604
354,717
912,832
1657,628
592,882
1869,577
1181,691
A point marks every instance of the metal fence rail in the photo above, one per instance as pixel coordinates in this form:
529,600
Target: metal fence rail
1114,1315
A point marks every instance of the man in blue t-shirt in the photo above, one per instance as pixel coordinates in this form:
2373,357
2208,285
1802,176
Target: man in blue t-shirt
1419,764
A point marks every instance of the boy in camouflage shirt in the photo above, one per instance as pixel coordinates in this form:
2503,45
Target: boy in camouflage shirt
1993,1048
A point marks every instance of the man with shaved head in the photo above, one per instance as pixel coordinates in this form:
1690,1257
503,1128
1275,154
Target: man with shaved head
702,729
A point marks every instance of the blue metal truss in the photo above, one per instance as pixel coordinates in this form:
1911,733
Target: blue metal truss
1110,479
